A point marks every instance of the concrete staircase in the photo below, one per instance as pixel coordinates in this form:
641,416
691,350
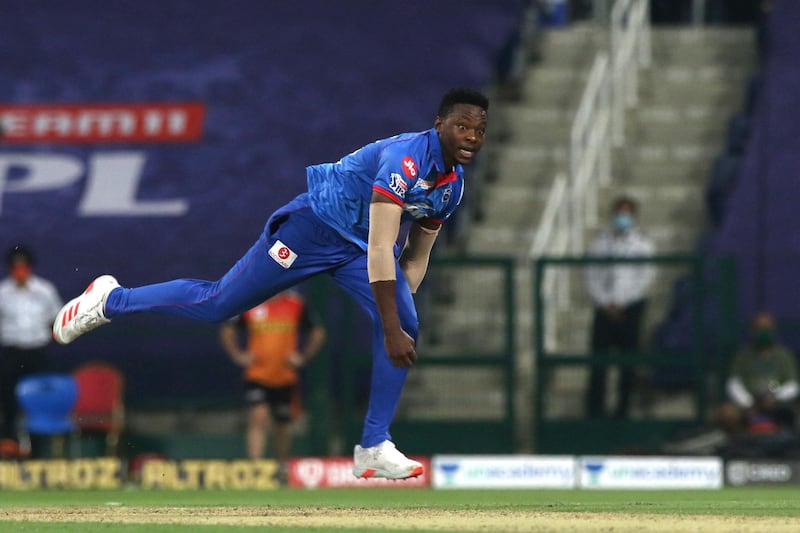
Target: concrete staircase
697,80
535,147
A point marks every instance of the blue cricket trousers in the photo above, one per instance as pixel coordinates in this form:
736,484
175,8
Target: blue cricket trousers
257,276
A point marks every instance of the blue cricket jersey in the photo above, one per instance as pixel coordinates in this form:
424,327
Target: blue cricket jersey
407,168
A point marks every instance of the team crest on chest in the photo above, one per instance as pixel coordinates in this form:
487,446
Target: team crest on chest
448,192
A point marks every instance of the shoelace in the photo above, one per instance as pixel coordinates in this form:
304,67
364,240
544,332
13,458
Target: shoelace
88,320
390,452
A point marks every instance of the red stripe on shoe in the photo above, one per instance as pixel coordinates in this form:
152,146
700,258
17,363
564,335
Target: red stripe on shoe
89,288
77,305
369,472
69,314
417,471
63,320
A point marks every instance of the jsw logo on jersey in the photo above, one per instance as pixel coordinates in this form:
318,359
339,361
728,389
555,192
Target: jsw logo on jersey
112,178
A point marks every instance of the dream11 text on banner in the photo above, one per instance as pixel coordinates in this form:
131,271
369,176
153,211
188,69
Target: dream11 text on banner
112,177
92,123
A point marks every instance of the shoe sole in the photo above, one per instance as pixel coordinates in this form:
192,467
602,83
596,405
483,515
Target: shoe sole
377,473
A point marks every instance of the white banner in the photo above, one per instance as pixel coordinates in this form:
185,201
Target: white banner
609,472
503,471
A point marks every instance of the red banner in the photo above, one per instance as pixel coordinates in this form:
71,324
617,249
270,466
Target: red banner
102,123
314,472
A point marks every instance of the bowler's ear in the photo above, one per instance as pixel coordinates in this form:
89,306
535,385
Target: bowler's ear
438,123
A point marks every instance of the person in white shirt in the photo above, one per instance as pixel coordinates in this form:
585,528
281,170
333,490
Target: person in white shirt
28,306
619,294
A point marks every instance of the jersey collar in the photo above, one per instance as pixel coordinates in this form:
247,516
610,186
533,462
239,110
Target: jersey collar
445,175
436,151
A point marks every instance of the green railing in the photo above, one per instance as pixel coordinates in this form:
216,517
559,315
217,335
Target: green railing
561,423
459,394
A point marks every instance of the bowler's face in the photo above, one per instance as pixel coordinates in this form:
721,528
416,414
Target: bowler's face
461,133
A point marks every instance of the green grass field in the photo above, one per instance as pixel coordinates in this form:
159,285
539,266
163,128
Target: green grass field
363,510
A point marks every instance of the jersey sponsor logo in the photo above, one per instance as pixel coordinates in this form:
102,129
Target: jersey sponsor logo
410,167
282,254
398,184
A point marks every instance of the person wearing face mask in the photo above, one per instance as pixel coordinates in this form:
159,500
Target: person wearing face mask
762,383
618,292
28,305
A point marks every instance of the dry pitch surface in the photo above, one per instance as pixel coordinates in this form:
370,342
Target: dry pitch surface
376,510
405,519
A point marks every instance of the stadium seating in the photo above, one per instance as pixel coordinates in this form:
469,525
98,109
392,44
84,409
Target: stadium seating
100,402
47,400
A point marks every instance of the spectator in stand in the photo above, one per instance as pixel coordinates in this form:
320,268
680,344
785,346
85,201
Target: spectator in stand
619,293
271,360
762,384
28,305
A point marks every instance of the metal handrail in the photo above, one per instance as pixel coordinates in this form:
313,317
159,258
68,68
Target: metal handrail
590,149
552,238
630,50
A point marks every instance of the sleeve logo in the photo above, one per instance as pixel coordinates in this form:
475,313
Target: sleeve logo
282,254
409,167
398,184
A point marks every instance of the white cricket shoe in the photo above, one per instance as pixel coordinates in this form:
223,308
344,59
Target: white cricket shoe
84,313
383,460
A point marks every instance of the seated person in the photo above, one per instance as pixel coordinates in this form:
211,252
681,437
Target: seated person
762,384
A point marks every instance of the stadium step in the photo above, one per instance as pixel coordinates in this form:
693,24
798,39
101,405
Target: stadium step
710,45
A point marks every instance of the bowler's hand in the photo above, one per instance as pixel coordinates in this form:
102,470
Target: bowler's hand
400,347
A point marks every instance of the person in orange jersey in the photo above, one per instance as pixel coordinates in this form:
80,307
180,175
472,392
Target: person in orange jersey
271,358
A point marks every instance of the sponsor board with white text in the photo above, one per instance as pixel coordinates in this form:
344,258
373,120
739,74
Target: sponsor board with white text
503,471
762,472
611,472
